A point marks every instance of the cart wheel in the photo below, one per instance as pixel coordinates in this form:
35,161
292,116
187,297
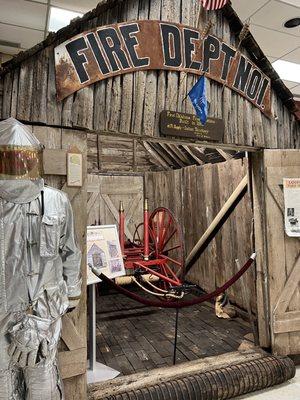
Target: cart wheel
167,240
138,236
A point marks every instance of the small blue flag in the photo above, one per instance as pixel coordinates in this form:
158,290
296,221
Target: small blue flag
198,97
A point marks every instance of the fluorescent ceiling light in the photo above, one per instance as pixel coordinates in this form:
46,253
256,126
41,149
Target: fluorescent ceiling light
60,17
287,70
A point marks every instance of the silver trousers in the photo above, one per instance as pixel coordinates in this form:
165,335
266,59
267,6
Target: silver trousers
41,382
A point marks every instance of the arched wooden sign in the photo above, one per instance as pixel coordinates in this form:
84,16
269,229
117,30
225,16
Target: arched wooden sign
141,45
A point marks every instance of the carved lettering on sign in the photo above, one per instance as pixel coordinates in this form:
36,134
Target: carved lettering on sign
140,45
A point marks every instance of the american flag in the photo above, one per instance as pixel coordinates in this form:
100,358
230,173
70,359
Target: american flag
213,4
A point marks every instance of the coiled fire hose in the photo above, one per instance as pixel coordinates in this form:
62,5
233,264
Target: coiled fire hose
180,304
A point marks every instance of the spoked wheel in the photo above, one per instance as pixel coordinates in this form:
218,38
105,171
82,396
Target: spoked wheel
138,236
167,241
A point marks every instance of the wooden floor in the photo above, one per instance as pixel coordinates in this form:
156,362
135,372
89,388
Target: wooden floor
133,338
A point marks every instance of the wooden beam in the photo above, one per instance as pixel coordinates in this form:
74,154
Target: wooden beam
200,153
172,154
153,139
180,154
162,154
225,155
155,155
198,161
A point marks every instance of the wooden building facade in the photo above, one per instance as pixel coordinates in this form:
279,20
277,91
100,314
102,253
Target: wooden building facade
114,122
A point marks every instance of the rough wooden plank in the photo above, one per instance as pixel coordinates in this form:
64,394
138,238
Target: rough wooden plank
15,93
6,95
70,335
287,322
72,364
78,197
54,108
40,80
55,162
82,108
132,9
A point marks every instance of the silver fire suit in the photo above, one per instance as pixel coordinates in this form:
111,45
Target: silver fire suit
39,278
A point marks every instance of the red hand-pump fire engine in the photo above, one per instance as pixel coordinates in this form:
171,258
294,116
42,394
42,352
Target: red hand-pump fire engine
156,248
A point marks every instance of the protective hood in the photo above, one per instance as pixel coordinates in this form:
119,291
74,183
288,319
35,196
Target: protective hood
21,163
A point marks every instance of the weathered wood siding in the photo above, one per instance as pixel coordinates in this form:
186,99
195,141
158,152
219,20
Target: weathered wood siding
278,261
133,102
118,154
195,195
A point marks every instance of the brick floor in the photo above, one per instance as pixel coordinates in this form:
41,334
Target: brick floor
133,338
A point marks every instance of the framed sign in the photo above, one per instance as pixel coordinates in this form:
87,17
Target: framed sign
173,123
291,190
104,252
74,168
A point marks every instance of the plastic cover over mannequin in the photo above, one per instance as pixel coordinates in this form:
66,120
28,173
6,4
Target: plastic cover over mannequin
39,270
21,162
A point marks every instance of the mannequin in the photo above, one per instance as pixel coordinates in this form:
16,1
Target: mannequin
39,269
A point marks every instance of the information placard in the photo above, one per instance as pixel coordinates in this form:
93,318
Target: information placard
291,188
104,252
174,123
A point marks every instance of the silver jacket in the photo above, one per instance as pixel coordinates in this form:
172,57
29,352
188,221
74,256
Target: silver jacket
39,258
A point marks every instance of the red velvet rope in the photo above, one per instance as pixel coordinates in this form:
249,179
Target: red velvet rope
178,304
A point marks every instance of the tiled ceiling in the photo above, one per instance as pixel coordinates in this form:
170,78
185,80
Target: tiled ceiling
267,18
23,23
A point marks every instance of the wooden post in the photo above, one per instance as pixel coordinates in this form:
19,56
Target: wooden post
246,300
257,168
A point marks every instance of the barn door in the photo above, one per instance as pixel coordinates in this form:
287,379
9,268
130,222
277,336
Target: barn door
282,254
104,196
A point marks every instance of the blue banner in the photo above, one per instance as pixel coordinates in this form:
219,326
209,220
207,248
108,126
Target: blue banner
198,98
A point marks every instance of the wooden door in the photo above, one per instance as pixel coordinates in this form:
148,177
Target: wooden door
72,351
278,260
104,196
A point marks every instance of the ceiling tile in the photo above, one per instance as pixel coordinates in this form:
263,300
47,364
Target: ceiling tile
9,50
290,84
27,37
76,5
246,8
274,14
296,91
23,13
295,3
294,56
273,43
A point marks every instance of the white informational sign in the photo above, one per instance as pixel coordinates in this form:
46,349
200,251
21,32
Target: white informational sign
291,189
74,169
104,251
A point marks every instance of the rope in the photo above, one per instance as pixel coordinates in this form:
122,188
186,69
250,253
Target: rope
157,294
176,304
